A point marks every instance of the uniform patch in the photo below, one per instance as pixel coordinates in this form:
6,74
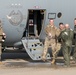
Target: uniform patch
66,33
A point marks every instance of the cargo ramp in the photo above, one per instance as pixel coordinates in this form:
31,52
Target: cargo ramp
34,48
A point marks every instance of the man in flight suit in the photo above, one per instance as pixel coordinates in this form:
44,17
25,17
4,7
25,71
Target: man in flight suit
61,28
74,53
51,39
66,36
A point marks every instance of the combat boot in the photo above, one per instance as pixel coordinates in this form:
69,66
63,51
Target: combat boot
43,58
1,62
53,62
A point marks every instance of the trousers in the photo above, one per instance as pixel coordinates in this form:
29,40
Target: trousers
55,47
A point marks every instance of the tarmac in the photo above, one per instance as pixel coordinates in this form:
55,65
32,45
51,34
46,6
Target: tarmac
19,63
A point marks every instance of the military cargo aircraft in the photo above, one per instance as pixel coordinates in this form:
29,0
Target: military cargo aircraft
22,19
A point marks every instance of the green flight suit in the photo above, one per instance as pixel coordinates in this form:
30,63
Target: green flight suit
74,53
66,36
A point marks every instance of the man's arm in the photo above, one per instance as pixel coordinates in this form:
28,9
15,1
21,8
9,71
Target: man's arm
60,37
74,32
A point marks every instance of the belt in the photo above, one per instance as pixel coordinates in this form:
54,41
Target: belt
51,37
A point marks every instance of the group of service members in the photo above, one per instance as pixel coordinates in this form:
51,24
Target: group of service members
57,38
60,38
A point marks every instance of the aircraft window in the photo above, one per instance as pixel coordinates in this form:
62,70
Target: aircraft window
59,15
51,15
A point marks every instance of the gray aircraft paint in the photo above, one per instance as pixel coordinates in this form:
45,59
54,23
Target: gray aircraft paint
14,32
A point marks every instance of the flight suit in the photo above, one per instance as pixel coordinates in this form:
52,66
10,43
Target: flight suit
52,41
66,36
74,53
1,35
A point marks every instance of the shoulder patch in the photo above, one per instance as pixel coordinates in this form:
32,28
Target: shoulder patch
71,29
66,33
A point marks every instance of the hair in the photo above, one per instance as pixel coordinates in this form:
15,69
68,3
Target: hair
0,21
51,19
60,23
74,18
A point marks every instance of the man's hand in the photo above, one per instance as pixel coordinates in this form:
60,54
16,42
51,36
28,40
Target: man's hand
4,35
3,40
49,35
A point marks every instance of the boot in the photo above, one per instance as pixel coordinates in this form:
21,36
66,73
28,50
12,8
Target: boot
43,58
53,61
